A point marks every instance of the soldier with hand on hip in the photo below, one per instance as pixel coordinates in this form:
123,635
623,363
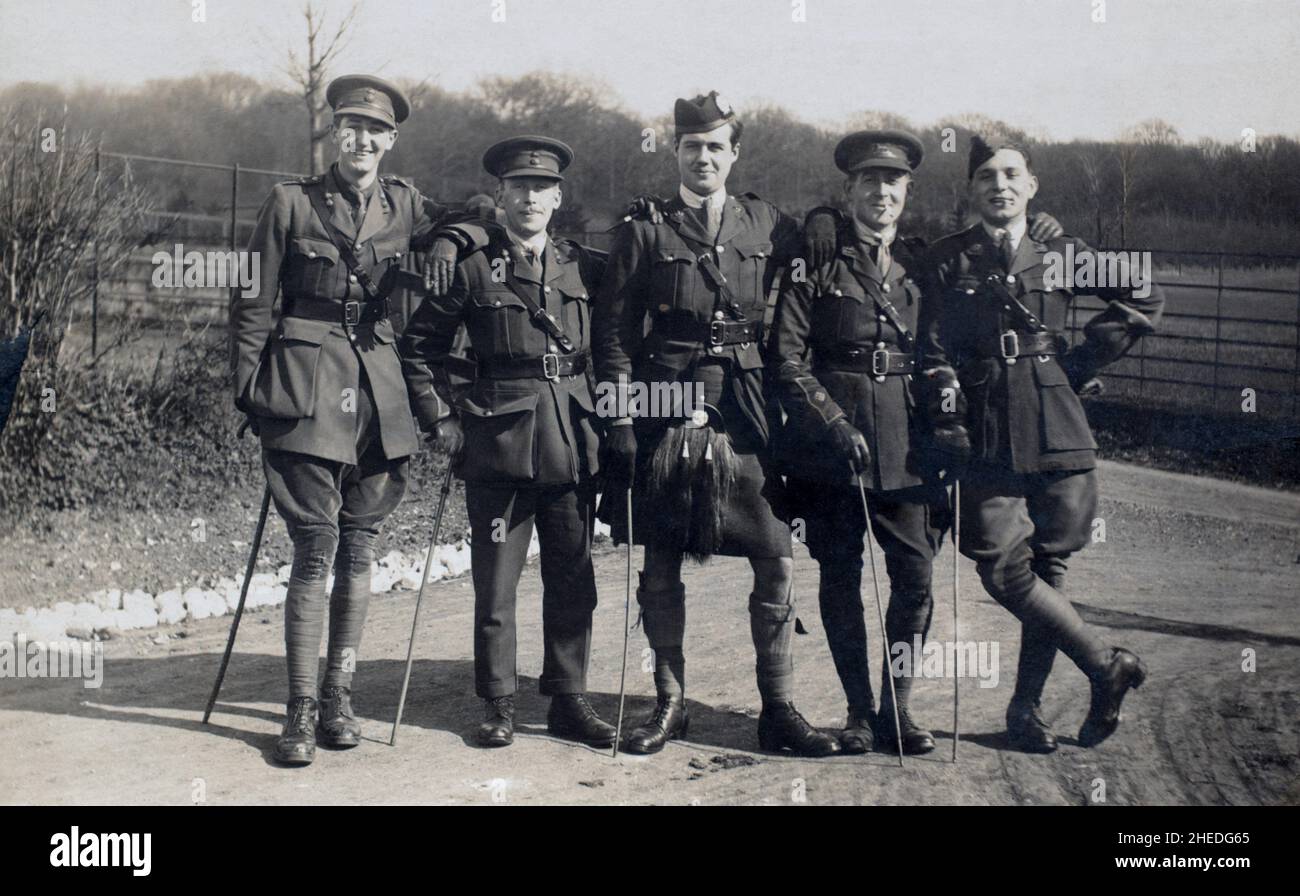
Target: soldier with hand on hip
995,334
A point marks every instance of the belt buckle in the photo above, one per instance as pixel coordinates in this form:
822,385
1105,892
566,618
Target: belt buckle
551,366
880,361
1009,355
351,313
717,332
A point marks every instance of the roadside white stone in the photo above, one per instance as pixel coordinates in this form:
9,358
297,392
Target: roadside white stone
107,600
282,574
382,579
81,632
171,607
140,616
137,601
87,615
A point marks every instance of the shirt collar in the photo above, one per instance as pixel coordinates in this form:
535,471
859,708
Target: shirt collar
695,200
1016,228
536,242
875,237
349,190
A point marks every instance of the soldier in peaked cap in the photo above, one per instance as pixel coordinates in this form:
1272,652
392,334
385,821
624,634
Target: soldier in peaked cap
842,357
526,434
683,302
996,323
323,388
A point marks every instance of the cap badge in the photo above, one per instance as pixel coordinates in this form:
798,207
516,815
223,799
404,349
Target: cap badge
723,106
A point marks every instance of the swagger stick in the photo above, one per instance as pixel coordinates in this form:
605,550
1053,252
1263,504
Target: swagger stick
627,615
956,562
243,595
875,584
424,580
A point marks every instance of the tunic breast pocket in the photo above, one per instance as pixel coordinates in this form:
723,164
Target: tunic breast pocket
498,324
315,267
840,312
671,276
753,259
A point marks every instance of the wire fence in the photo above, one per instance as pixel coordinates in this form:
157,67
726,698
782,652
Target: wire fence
1229,340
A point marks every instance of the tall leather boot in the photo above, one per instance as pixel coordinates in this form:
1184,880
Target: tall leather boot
1027,730
908,615
663,615
840,599
1111,671
780,726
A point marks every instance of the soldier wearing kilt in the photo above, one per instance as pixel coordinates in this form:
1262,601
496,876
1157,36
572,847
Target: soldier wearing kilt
682,302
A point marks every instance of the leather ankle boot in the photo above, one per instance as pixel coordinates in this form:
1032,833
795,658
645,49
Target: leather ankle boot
297,742
781,727
668,722
338,727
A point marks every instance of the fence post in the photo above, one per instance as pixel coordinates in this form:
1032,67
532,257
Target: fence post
234,204
94,271
1296,370
1218,327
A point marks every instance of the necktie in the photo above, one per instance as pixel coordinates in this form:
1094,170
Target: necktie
712,220
1007,252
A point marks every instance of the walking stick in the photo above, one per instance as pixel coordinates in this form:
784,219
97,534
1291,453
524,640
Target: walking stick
627,615
424,580
956,560
875,584
243,595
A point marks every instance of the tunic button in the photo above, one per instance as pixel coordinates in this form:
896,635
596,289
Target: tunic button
717,315
663,307
497,303
546,289
884,287
1011,278
352,278
719,249
352,336
356,247
487,413
970,292
717,349
883,319
880,345
311,254
839,292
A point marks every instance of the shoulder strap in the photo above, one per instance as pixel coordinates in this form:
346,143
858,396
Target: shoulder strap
887,308
541,318
1025,318
341,243
723,297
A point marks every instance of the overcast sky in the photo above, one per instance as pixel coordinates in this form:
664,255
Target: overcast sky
1209,67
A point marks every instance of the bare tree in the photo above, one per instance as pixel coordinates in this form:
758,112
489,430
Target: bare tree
65,223
311,77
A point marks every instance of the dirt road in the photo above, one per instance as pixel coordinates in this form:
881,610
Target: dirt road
1197,576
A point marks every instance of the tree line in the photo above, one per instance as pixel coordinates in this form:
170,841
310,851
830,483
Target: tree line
1150,188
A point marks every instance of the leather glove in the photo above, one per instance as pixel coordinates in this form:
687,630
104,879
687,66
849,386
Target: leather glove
820,236
646,207
850,444
440,267
618,461
1043,227
952,449
448,437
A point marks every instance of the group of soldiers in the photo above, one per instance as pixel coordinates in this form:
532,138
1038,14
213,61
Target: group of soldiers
885,372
